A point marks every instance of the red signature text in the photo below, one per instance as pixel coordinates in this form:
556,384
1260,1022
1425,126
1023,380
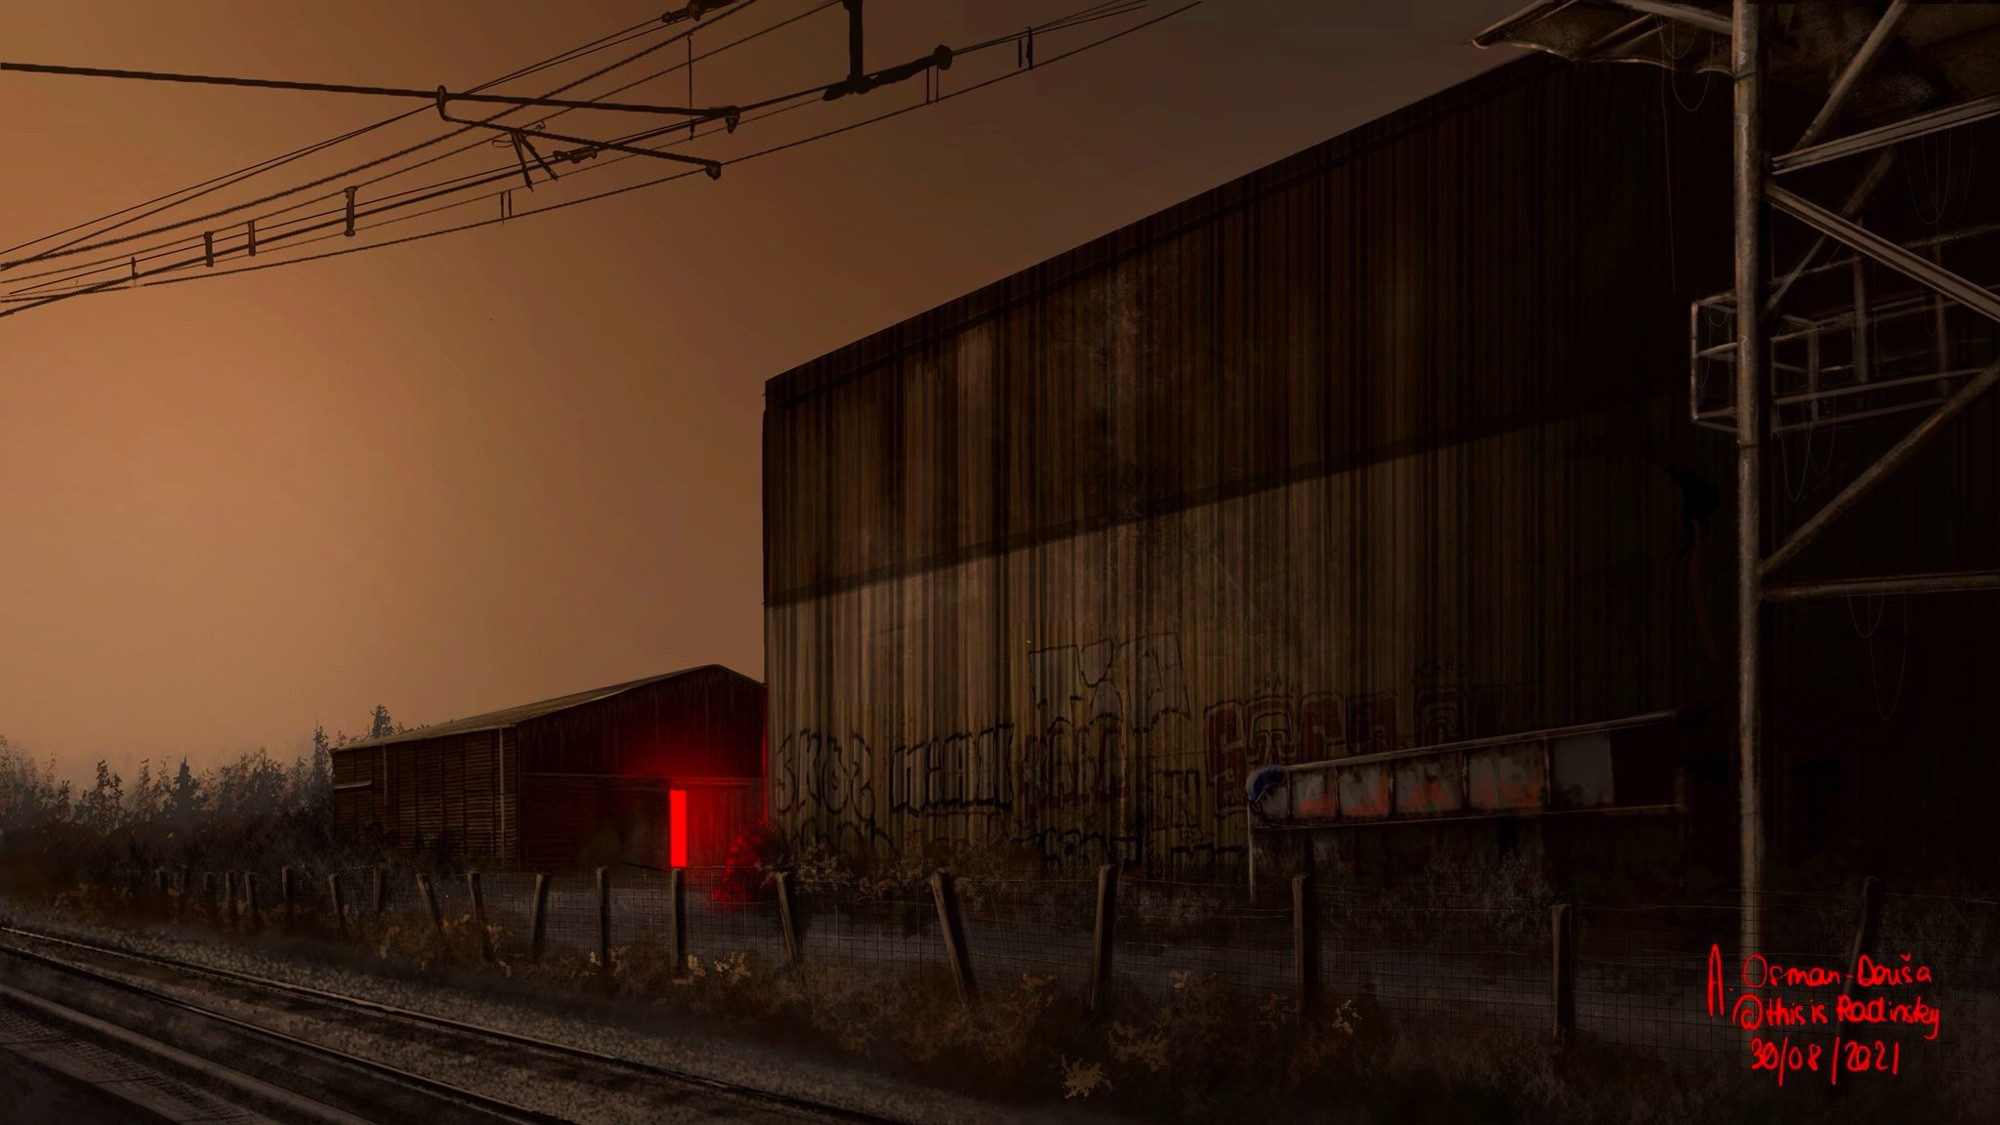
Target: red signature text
1756,1006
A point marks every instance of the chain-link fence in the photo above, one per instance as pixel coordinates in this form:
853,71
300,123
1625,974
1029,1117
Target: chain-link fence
1658,979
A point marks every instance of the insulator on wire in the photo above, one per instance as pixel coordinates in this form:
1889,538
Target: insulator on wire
350,212
208,247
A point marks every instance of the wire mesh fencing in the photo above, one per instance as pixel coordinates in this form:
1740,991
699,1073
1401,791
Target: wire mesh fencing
729,915
1642,979
1464,964
1669,980
1946,948
509,901
1020,928
570,915
883,932
1169,935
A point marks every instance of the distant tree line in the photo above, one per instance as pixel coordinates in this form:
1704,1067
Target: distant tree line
254,813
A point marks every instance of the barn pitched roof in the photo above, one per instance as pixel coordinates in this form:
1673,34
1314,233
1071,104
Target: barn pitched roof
512,716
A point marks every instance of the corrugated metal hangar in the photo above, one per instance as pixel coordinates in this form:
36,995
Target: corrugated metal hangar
1383,448
576,781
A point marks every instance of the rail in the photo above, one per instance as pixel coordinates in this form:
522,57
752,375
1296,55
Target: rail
431,1087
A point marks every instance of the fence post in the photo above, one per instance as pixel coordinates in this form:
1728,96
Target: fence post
339,907
250,900
1305,942
946,896
479,916
381,890
604,920
1562,941
180,902
229,888
1102,937
430,900
285,892
538,924
677,902
1864,939
783,881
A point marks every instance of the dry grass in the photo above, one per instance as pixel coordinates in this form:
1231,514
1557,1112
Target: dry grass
1198,1048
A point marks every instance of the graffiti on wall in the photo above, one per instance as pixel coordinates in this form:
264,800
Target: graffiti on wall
1281,729
1101,709
1449,709
824,786
1275,727
1181,829
1109,764
1137,681
956,787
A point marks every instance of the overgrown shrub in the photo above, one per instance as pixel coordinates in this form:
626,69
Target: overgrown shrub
254,811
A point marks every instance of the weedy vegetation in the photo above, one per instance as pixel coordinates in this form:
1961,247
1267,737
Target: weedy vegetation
1176,1045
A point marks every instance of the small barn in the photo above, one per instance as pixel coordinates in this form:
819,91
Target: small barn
664,772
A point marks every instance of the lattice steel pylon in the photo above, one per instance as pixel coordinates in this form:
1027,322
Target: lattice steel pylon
1828,350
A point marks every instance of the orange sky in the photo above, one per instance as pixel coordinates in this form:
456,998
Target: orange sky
520,461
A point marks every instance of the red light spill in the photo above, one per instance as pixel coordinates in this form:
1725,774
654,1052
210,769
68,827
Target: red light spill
677,827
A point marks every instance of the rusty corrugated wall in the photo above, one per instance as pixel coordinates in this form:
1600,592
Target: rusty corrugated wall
1367,449
1303,467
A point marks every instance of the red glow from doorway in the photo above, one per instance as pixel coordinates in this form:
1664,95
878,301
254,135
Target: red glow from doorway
677,827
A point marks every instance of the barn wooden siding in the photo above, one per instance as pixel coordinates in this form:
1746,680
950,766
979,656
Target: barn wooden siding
578,784
708,722
601,770
1364,451
463,787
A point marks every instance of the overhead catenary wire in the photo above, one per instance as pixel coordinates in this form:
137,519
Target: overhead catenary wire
120,260
506,174
74,248
376,91
1087,15
267,218
184,195
517,215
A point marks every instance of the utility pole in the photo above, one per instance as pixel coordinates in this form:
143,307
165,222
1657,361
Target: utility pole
1747,71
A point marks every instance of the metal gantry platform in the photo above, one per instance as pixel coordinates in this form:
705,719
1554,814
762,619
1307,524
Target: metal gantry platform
1883,327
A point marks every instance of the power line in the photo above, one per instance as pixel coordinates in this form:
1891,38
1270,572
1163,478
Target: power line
74,248
771,150
158,250
375,91
463,182
229,178
456,184
116,261
498,176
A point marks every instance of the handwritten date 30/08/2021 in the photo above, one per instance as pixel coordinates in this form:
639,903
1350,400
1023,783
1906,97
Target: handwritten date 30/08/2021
1754,1009
1783,1056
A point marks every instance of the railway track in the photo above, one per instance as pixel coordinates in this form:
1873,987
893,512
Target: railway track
147,995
